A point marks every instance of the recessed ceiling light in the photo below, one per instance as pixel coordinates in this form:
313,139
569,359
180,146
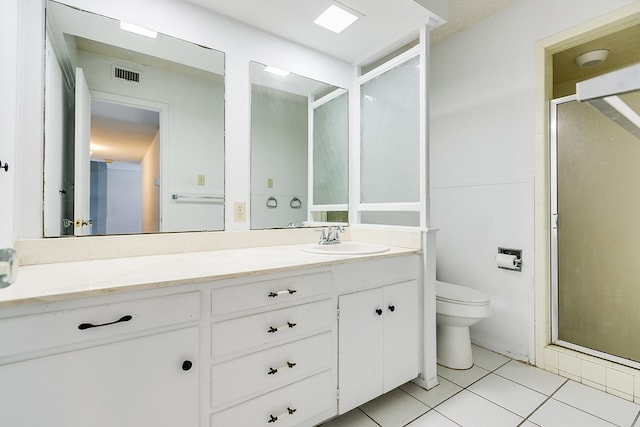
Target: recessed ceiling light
138,30
335,19
276,71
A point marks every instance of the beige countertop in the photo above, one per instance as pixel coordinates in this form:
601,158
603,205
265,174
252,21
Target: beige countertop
63,280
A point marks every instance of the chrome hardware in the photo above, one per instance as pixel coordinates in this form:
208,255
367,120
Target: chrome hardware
66,222
284,292
272,202
5,166
274,329
274,418
295,203
288,365
8,267
330,235
83,222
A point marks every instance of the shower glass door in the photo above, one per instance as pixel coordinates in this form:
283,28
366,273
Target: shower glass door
595,231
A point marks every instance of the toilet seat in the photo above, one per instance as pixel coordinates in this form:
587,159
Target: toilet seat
456,294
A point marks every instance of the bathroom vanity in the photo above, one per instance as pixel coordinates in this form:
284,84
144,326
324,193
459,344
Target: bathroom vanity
239,337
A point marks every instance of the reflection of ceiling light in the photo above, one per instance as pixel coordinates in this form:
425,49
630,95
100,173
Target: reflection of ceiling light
138,30
335,19
276,71
592,58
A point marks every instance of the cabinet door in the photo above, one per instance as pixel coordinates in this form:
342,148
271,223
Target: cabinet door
360,348
133,383
400,334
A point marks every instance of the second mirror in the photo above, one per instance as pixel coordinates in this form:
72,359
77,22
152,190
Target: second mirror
299,150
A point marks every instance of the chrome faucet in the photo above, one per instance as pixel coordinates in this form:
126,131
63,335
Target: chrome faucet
329,235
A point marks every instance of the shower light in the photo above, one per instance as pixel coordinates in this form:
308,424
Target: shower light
336,18
138,30
591,58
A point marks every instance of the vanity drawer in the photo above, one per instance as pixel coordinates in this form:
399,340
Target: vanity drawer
245,333
268,293
269,369
306,399
20,335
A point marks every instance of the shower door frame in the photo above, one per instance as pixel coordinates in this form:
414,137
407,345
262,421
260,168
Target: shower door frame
553,229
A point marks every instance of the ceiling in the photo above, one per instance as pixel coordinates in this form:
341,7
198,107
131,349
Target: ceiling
386,24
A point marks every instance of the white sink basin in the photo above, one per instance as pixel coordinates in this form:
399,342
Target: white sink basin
346,248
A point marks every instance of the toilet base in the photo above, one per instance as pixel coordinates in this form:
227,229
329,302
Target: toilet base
454,347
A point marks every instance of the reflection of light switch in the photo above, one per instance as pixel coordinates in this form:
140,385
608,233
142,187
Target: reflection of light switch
269,182
200,179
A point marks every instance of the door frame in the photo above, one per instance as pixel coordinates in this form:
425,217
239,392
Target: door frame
163,132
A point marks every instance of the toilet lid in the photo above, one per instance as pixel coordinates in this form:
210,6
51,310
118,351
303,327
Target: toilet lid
460,294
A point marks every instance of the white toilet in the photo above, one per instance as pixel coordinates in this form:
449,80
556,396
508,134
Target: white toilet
457,308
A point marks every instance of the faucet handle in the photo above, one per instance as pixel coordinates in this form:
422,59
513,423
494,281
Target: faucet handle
323,235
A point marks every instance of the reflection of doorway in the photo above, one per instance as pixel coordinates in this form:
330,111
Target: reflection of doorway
125,168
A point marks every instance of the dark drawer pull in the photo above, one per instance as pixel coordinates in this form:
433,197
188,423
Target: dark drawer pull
274,329
284,292
392,308
274,418
273,371
84,326
187,365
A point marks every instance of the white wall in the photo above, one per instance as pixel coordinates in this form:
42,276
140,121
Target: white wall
241,45
124,207
482,157
150,190
279,150
8,76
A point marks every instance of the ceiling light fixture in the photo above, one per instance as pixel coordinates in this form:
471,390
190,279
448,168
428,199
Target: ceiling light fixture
336,18
138,30
276,71
591,58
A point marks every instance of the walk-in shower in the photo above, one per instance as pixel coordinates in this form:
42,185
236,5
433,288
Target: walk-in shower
595,217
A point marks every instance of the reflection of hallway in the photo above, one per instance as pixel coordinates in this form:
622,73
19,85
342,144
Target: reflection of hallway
115,198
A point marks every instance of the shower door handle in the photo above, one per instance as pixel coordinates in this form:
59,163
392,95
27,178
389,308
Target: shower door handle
554,221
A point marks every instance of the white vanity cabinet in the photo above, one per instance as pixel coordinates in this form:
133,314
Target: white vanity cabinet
378,341
273,351
129,364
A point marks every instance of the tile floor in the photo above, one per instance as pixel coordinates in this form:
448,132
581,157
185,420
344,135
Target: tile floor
496,392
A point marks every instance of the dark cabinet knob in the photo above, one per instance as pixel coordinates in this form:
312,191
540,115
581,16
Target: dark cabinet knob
187,365
379,311
392,308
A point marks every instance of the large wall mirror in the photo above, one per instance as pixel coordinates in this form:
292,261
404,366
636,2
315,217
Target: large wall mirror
299,150
134,129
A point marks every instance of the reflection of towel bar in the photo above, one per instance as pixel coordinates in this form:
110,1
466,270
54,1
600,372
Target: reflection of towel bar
272,202
198,198
295,203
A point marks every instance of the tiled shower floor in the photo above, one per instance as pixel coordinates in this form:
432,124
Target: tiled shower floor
496,392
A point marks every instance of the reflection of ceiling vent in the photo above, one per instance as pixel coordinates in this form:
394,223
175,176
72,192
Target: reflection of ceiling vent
124,74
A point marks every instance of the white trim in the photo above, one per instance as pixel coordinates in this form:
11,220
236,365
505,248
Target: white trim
424,127
333,207
390,207
389,65
329,97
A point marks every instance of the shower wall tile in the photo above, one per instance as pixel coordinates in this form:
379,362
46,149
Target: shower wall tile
569,366
594,372
619,381
551,357
595,385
